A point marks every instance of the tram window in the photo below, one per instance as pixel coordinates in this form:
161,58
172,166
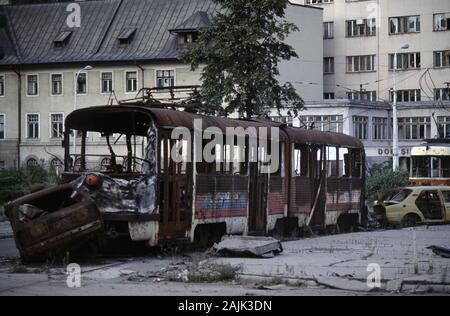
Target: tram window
180,157
421,167
301,160
356,163
268,159
445,167
344,162
435,167
319,162
332,161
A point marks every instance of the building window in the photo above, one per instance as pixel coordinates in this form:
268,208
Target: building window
56,163
328,30
361,63
360,127
165,78
82,83
56,84
380,128
444,126
407,95
32,162
57,125
318,1
442,59
442,94
405,61
2,85
328,96
441,22
288,120
187,38
131,81
328,65
33,126
324,123
2,126
32,85
414,127
404,24
107,82
362,95
363,27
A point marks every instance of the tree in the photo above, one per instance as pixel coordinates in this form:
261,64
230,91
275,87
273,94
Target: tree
381,179
240,51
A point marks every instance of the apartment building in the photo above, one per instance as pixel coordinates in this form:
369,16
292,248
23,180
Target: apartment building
362,36
127,45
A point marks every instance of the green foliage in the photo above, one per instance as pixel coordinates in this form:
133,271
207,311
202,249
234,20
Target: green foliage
240,51
381,179
16,182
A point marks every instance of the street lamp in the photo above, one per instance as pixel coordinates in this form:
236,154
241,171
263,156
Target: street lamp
86,68
396,159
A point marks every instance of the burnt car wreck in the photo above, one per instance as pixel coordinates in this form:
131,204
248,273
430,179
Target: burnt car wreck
141,193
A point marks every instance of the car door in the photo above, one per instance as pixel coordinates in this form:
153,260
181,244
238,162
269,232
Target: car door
446,199
430,204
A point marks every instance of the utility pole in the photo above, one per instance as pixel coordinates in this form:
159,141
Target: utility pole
396,157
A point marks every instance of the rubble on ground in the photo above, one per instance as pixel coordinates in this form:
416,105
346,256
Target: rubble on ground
246,246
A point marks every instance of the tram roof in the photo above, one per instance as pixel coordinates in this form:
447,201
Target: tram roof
126,118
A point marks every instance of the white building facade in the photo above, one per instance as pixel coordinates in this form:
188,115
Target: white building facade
128,51
361,37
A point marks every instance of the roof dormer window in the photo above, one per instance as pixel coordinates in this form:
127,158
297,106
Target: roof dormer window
62,39
187,32
187,38
126,35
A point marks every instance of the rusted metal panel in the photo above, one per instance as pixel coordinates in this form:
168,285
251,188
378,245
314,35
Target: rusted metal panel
215,183
277,196
221,195
53,220
301,195
303,136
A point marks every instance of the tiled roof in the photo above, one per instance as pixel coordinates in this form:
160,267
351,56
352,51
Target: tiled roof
31,31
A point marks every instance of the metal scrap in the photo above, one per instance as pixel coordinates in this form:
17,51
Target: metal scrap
246,246
440,251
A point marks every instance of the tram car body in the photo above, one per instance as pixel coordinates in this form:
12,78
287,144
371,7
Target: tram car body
431,163
147,196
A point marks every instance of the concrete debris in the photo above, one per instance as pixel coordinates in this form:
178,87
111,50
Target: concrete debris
440,251
245,246
343,284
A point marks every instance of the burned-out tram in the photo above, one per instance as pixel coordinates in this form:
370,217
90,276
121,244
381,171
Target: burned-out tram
145,194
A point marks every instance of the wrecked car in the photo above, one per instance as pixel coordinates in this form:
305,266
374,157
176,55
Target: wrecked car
47,221
409,206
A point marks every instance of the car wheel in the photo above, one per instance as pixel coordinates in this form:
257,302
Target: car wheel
409,220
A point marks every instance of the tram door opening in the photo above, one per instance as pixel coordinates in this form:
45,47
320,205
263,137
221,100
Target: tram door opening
258,190
318,186
175,191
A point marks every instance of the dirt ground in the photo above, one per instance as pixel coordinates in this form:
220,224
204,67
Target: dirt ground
329,265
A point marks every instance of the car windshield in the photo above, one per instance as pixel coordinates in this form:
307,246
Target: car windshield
401,196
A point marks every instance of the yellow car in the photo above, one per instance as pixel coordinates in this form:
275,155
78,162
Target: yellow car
409,206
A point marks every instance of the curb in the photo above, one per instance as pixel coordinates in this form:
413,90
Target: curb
390,286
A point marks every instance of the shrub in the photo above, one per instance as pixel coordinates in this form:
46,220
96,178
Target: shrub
382,179
16,182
